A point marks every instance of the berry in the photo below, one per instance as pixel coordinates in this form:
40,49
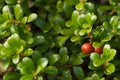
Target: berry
87,48
98,50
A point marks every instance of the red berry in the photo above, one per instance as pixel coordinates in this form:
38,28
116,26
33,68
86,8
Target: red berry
87,48
98,50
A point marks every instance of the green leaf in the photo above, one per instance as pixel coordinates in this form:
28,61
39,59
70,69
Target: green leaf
106,48
15,43
7,51
28,52
42,62
64,59
38,40
26,66
106,52
107,38
67,74
89,6
11,76
59,21
88,18
60,6
18,11
15,59
96,58
112,55
36,56
81,19
51,70
61,40
24,20
32,17
63,51
68,32
27,77
109,69
114,21
95,77
80,6
5,9
104,8
53,59
5,64
97,44
76,59
75,38
79,73
42,24
82,32
10,1
75,16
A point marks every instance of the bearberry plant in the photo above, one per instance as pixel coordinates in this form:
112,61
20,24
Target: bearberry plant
59,39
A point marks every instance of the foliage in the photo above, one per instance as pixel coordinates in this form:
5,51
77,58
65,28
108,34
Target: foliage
41,39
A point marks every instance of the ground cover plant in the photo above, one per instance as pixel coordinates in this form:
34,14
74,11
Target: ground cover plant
60,39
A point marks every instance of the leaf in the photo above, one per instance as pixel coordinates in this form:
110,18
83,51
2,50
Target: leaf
32,17
112,55
106,48
63,51
15,59
81,19
43,25
61,40
36,56
107,38
75,38
42,62
11,76
53,59
88,18
97,44
80,6
76,59
10,1
95,77
7,52
24,20
75,16
26,66
67,74
27,77
18,11
5,64
89,6
79,73
38,40
109,69
96,58
114,21
68,32
64,59
104,8
51,70
106,52
58,20
28,52
15,43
